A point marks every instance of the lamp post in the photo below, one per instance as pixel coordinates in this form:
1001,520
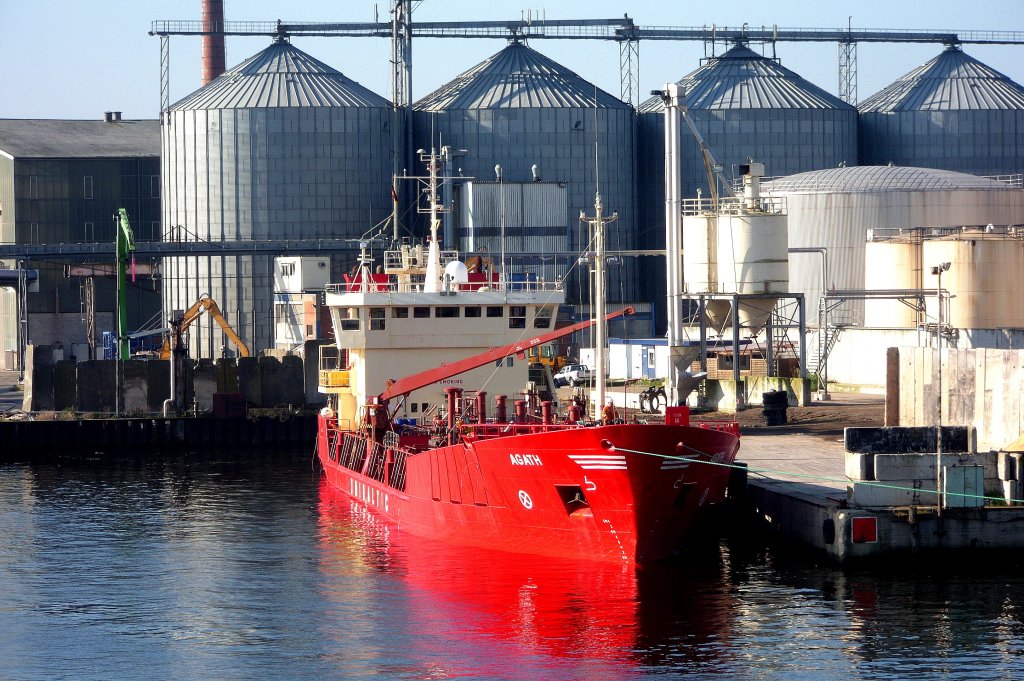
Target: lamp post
937,271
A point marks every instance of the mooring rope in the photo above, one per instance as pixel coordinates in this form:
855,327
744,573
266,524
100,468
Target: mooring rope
765,472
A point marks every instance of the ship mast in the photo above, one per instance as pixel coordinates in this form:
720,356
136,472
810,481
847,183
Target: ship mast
432,284
597,223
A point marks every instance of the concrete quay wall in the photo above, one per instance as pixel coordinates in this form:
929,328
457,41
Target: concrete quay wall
983,388
54,384
139,438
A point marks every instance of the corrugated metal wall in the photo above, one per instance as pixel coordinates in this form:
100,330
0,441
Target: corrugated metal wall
560,141
535,219
281,173
985,142
745,106
8,297
953,112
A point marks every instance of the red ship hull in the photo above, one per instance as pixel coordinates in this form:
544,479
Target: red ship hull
625,492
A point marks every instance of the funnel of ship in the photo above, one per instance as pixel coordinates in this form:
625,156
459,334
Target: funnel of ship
737,246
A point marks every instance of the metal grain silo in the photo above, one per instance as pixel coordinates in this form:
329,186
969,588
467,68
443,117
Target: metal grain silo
954,112
280,147
746,106
519,109
835,209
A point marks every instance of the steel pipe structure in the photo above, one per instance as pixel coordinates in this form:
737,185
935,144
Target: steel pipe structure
623,30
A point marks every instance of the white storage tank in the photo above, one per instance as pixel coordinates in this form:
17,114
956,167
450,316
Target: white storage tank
892,264
985,280
834,209
741,249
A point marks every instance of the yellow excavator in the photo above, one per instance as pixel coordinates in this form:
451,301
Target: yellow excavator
180,325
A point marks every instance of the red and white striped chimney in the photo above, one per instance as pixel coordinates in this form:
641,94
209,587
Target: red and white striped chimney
213,45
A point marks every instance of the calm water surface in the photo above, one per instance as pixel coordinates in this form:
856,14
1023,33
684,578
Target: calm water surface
217,570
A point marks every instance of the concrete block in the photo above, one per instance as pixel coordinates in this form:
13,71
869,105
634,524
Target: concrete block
963,486
249,379
293,391
311,371
271,393
1013,492
227,375
893,493
911,466
38,378
204,383
1006,466
186,380
65,385
159,377
900,440
986,459
97,380
135,385
860,466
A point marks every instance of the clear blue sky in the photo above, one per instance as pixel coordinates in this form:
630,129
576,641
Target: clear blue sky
77,59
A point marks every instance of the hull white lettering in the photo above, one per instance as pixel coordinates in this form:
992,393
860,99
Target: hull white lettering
525,460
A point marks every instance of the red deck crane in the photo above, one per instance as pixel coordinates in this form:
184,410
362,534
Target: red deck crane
407,384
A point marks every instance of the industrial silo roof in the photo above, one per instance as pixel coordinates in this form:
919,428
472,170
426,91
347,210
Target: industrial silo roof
856,179
952,81
743,79
280,76
515,78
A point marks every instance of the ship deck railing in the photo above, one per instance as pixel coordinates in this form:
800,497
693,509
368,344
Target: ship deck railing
381,284
734,205
383,462
483,431
731,427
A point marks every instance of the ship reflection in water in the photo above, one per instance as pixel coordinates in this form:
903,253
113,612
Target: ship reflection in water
255,570
490,614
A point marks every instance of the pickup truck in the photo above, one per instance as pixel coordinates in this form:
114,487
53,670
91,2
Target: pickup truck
572,374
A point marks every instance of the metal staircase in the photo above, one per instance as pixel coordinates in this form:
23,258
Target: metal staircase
823,345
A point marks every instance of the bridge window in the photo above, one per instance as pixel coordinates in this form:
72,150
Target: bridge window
349,318
447,312
473,311
517,317
495,311
421,312
543,318
377,318
400,312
